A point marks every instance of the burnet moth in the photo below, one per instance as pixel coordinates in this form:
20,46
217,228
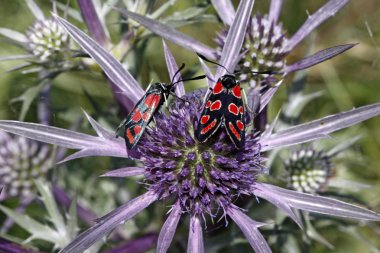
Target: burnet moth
224,106
142,114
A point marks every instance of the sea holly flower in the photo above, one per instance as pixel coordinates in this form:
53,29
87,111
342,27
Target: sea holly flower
196,178
312,169
265,44
47,41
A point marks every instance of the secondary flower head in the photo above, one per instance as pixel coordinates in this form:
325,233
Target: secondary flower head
309,170
48,41
197,178
46,46
266,44
22,161
262,50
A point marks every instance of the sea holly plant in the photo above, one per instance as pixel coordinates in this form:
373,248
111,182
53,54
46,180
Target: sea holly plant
197,178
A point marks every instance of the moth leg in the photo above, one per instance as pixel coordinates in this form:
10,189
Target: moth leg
166,100
184,100
155,123
206,95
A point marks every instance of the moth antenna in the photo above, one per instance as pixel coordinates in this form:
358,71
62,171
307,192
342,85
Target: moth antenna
184,100
177,72
190,79
213,62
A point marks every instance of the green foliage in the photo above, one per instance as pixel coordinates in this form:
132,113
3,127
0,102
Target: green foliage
55,228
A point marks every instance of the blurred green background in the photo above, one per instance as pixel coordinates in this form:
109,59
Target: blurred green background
350,80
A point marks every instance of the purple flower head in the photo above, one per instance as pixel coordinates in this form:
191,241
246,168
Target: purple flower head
196,178
203,176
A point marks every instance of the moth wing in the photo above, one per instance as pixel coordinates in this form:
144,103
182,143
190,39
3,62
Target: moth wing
234,123
140,117
211,116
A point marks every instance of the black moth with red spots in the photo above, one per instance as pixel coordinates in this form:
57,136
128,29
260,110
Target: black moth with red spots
143,112
224,106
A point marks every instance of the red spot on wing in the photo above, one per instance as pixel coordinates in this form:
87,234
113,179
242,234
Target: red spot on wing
234,131
241,109
157,100
240,125
232,108
137,129
152,100
146,116
209,127
218,88
130,137
236,91
216,105
208,103
205,118
136,116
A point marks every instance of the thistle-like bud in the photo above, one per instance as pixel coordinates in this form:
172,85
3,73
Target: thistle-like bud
309,170
48,42
22,161
262,50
